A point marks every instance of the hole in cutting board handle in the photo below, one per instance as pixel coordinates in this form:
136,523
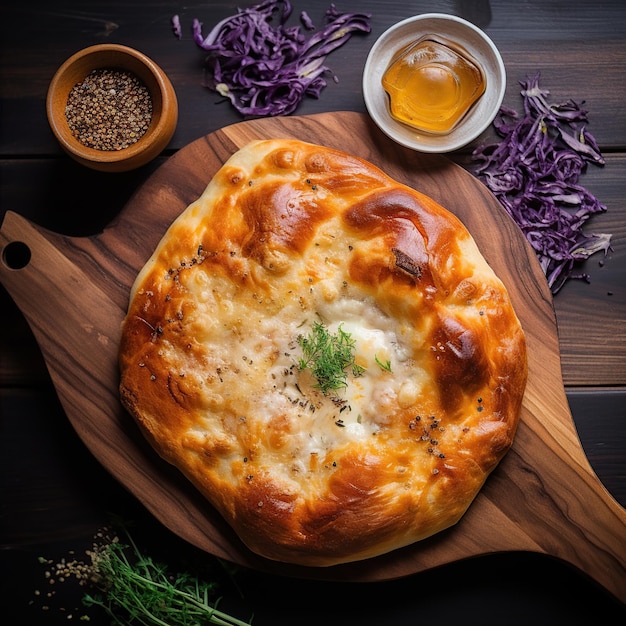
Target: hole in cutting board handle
16,255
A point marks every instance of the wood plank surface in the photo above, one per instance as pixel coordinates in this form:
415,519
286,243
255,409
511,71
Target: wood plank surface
544,497
577,47
56,495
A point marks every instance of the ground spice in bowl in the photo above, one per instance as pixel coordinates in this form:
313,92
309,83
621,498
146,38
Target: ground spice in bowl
110,109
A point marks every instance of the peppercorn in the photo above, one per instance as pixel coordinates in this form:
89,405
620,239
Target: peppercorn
109,110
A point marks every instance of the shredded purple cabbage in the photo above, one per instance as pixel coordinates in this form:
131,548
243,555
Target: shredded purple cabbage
265,69
176,26
534,172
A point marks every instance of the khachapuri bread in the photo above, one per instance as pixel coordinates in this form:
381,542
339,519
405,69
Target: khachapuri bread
325,354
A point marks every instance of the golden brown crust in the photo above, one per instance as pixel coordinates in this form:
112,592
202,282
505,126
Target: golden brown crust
288,233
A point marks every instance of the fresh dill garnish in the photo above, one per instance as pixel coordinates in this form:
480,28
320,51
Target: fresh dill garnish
137,590
328,356
383,366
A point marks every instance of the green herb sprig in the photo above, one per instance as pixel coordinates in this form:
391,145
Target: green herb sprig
328,356
137,590
386,365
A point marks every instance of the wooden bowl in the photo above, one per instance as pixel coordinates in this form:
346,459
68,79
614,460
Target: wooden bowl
121,58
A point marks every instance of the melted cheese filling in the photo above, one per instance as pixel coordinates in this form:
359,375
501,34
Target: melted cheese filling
250,380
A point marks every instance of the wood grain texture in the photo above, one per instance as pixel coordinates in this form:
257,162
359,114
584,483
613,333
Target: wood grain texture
543,497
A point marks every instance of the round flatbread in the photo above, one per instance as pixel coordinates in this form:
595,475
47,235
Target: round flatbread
325,354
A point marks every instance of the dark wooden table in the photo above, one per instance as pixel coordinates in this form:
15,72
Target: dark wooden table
55,496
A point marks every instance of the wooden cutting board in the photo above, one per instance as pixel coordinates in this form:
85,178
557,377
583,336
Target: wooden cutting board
543,497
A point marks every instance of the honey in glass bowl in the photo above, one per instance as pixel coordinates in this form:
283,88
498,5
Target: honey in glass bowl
432,85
